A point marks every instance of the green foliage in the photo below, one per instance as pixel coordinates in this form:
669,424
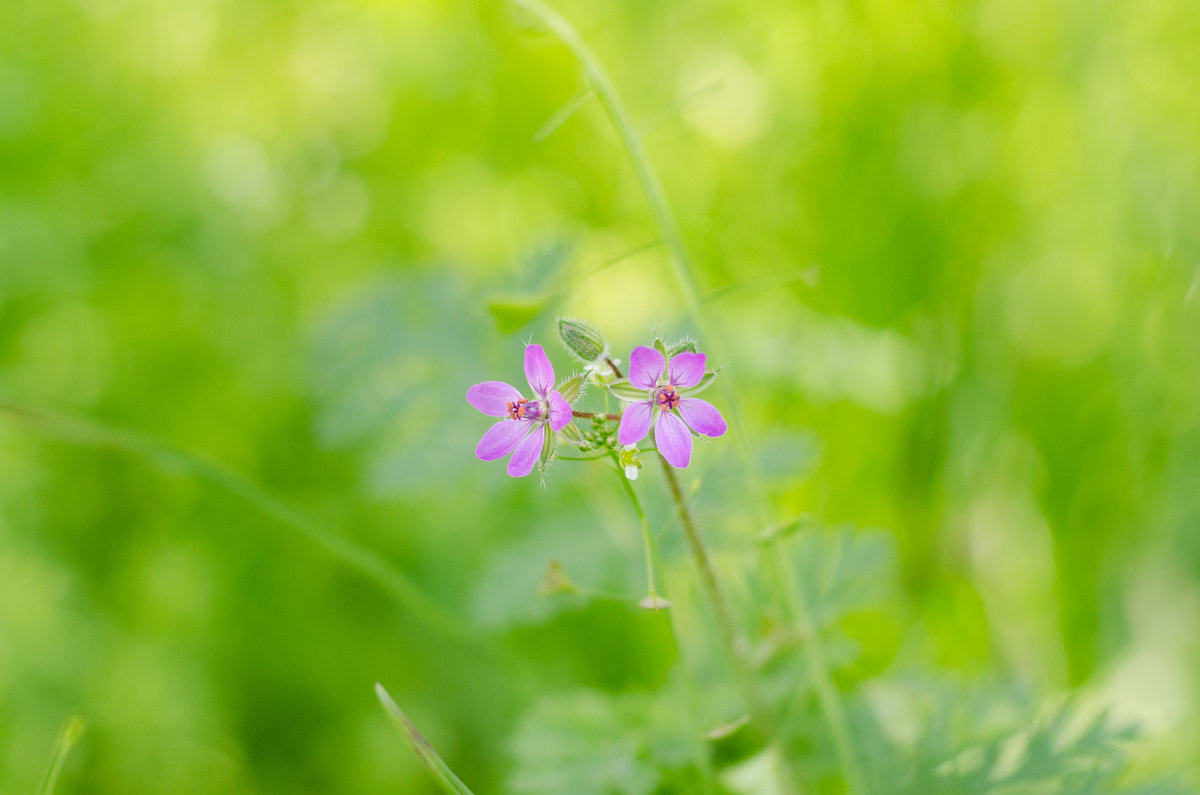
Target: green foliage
944,250
597,744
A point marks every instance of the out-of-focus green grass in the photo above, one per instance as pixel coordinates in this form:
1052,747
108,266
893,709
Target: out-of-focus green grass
950,247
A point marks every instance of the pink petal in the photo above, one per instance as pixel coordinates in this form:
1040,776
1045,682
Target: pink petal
527,453
493,397
702,417
686,369
635,422
646,366
674,440
538,370
560,411
500,439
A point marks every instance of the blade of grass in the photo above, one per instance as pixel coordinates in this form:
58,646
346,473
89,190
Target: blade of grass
73,729
88,433
440,771
563,114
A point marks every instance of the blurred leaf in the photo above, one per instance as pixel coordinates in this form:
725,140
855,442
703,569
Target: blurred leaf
984,740
506,591
512,313
440,771
73,729
589,743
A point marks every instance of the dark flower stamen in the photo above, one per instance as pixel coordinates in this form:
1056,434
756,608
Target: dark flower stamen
523,409
667,398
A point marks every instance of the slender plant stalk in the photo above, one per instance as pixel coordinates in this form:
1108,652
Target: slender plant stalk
685,276
648,546
826,691
614,106
690,690
587,415
712,588
72,730
440,771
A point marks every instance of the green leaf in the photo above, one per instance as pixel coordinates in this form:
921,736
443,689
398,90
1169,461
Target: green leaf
660,346
512,312
590,743
440,771
623,390
73,728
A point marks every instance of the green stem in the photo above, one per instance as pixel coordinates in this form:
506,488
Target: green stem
716,597
587,415
648,546
690,694
72,730
614,106
438,769
685,276
818,664
85,432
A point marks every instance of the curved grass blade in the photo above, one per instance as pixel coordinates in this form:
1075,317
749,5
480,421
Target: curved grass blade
440,771
72,730
85,432
564,114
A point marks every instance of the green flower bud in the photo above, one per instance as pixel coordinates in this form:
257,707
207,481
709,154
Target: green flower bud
582,340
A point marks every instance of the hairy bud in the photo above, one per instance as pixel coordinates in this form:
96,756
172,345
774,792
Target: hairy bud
582,340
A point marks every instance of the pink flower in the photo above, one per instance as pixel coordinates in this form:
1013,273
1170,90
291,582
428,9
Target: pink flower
673,415
522,432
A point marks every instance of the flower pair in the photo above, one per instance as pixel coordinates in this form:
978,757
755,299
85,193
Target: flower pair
656,392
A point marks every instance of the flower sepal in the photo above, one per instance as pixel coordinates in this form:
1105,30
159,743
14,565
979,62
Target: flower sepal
705,382
685,345
572,388
548,451
570,434
621,389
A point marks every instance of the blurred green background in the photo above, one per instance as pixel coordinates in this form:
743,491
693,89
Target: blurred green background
948,251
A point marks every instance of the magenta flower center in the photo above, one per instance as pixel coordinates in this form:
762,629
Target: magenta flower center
523,409
666,397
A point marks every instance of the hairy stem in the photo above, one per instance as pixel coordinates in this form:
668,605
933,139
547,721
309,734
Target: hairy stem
613,365
689,689
587,415
712,588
